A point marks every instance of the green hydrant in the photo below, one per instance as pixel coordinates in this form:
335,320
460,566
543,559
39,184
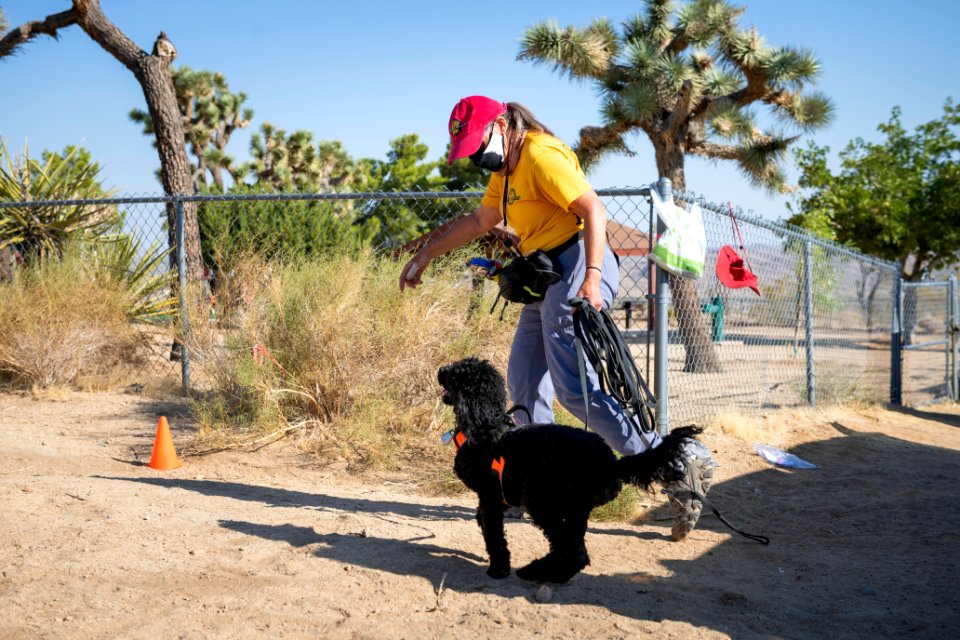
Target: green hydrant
715,309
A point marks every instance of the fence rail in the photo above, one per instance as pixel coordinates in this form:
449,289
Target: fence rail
830,326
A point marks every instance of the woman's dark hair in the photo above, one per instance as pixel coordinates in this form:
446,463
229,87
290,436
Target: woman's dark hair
521,119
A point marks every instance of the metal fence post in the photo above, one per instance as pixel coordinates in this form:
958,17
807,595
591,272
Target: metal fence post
182,280
896,341
660,336
808,302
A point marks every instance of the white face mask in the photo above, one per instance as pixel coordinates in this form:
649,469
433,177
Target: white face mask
490,157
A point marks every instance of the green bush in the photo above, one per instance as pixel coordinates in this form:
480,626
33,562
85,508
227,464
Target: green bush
280,229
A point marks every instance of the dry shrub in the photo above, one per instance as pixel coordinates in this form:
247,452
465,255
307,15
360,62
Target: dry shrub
837,386
58,324
342,352
742,425
840,385
214,314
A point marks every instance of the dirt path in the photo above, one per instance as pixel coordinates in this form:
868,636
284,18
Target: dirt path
235,545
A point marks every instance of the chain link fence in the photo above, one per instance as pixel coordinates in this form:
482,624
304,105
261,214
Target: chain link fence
826,328
121,243
929,340
819,331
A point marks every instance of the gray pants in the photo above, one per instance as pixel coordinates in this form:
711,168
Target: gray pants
543,359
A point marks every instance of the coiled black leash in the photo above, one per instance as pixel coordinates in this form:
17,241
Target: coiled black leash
598,341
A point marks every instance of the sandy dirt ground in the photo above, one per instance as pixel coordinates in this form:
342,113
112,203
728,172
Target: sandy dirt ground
275,544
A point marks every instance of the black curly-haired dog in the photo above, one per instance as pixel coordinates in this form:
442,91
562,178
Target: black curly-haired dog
557,473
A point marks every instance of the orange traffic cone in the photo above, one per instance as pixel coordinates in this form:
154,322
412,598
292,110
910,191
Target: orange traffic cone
164,455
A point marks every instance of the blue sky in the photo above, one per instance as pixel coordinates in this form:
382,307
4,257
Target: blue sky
366,72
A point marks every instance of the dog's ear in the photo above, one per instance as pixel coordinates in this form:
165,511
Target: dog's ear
477,392
442,374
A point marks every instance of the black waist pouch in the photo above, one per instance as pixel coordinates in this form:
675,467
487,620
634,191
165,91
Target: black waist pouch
525,279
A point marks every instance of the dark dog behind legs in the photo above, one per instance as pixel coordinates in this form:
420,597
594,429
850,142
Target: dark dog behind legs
557,473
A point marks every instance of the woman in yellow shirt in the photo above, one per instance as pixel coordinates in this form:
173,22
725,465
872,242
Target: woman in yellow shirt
538,188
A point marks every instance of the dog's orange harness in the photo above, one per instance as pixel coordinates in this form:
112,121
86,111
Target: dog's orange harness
497,465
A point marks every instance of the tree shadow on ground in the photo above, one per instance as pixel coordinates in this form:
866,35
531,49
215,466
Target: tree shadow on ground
863,547
278,497
928,414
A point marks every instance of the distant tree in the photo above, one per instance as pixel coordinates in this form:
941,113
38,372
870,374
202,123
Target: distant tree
686,77
293,163
897,199
284,163
210,114
75,162
280,229
152,71
405,169
337,169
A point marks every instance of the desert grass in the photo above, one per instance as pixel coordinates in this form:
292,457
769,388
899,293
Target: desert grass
330,351
836,385
60,325
745,426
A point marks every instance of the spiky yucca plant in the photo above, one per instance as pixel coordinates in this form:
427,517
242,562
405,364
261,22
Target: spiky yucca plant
122,262
43,230
687,76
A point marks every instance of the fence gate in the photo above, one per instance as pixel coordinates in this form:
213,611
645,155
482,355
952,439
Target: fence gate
930,318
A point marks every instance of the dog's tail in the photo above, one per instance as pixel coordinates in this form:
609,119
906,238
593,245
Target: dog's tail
664,463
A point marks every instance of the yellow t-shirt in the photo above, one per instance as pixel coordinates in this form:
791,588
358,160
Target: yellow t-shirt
547,179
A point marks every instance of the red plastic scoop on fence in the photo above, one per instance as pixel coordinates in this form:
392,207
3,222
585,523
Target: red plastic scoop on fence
731,270
732,273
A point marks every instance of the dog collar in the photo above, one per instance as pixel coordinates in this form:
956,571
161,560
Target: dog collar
453,435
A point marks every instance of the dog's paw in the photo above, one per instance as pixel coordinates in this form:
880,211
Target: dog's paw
534,572
498,572
547,570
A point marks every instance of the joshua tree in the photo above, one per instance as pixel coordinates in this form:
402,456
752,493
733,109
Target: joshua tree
687,78
284,162
152,71
210,116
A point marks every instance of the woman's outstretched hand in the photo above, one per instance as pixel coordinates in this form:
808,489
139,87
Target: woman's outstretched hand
412,273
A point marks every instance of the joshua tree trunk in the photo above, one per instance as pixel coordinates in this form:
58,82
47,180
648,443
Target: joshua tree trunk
700,354
152,71
154,76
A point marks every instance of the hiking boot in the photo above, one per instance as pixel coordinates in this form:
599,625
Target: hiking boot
697,477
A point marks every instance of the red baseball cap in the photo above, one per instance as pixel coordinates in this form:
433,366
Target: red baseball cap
732,273
467,122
